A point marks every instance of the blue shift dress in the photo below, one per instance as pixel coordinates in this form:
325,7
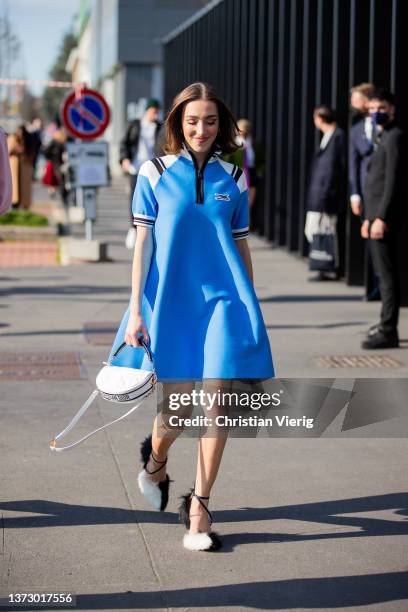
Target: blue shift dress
199,306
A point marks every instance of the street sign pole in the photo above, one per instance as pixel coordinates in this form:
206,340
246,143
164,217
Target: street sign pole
89,201
86,115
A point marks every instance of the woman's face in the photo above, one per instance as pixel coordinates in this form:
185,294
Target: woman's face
200,124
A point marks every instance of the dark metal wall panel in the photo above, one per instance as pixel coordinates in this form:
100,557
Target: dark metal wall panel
341,61
281,120
359,40
258,118
294,123
273,61
270,123
227,57
339,101
380,54
260,82
252,65
308,100
242,101
236,73
359,60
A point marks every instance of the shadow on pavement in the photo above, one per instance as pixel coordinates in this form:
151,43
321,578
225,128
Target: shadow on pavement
56,514
305,593
311,298
317,326
64,332
67,290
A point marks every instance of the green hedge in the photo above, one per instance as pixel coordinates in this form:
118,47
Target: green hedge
23,217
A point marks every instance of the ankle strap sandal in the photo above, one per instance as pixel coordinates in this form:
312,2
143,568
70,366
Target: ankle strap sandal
157,494
208,541
199,498
163,463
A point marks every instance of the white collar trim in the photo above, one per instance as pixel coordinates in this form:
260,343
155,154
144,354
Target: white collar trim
184,152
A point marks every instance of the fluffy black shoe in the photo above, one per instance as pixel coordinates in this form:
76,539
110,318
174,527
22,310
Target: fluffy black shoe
208,541
380,340
156,494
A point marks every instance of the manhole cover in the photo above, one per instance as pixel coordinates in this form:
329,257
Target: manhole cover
100,333
40,366
358,361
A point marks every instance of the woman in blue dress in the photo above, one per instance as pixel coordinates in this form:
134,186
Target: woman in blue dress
192,289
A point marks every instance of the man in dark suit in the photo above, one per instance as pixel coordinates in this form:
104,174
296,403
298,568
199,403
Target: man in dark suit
361,146
326,193
384,203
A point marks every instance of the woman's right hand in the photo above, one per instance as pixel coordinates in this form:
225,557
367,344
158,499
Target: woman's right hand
135,328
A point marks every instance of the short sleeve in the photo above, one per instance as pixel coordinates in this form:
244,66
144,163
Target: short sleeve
240,217
144,203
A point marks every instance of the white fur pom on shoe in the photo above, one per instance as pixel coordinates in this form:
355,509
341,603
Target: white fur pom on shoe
202,541
150,490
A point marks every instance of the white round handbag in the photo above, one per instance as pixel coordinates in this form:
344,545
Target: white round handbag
115,384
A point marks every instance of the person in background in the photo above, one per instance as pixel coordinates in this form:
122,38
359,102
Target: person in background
140,143
21,154
36,136
55,154
5,176
358,100
384,207
250,157
361,146
326,191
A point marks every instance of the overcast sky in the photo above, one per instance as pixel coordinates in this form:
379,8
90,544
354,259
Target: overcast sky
40,26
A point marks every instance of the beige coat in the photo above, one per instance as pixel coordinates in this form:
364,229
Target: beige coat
21,173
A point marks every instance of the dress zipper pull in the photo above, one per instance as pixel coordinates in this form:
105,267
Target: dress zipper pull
199,188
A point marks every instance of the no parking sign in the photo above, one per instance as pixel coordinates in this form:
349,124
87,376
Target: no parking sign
85,113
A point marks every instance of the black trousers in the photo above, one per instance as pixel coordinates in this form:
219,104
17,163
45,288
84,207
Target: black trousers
132,185
385,261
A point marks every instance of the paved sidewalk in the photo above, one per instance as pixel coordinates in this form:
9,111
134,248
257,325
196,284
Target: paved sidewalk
31,254
306,524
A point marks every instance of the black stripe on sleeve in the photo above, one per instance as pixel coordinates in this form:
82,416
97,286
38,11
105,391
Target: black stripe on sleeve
159,167
161,162
237,175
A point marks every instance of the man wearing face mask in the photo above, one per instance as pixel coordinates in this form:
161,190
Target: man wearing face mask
384,202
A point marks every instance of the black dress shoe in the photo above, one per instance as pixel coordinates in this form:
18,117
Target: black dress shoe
373,329
380,340
319,277
373,296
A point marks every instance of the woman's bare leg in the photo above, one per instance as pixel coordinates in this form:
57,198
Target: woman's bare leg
210,450
163,435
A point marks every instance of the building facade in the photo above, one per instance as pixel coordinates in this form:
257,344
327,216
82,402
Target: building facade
120,54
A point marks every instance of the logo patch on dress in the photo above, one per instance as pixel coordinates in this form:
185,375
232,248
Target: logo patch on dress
222,196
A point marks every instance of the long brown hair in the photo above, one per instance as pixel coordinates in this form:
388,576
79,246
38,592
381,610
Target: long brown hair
228,128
